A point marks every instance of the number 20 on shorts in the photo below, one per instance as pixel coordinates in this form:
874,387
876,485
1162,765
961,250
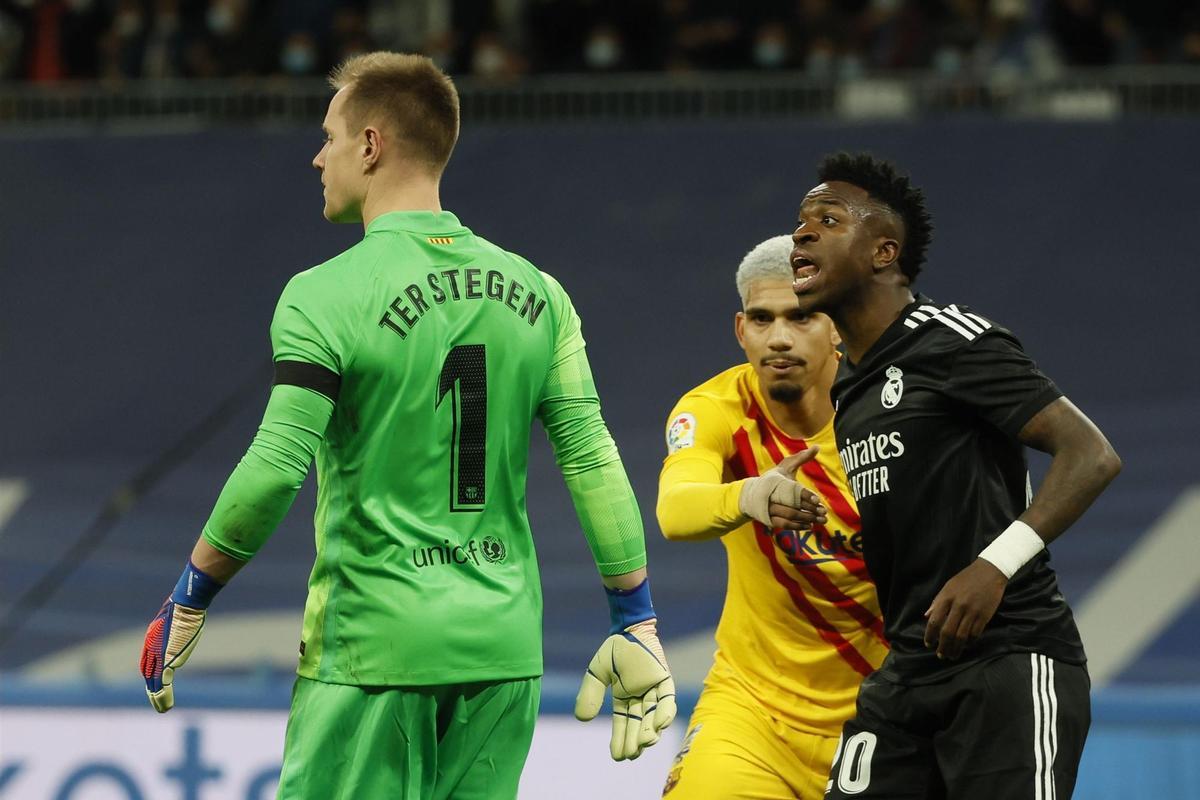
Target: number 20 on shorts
854,764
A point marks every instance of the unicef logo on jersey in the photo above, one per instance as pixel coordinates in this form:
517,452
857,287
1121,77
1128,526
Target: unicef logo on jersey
493,549
488,550
893,390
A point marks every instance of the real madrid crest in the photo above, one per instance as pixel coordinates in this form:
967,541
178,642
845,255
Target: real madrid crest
893,390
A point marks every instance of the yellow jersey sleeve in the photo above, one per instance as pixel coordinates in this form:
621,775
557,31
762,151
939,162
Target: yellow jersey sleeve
693,501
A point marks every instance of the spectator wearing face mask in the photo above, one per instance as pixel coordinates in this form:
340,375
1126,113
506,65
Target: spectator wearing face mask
492,59
299,55
163,51
122,46
772,47
604,50
231,42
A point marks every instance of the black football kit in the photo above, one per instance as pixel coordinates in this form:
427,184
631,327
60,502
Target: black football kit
927,427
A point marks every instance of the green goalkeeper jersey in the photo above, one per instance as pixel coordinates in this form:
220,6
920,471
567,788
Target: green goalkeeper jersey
441,349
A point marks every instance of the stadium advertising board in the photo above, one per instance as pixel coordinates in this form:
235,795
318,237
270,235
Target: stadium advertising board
128,754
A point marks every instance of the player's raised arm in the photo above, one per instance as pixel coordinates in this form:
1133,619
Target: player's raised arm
695,504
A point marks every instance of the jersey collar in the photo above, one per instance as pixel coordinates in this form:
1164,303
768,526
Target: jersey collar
892,332
428,222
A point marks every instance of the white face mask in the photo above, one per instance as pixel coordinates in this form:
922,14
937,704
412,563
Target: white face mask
298,59
220,19
948,61
488,60
770,53
602,52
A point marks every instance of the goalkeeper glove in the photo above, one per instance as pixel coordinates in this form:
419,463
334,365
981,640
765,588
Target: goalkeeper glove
173,634
631,660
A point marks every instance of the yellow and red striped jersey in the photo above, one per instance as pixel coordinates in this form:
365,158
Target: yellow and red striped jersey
801,625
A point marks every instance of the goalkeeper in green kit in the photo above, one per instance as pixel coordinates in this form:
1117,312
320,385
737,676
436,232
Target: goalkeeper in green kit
412,367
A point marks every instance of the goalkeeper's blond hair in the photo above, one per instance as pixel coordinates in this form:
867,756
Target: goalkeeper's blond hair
407,94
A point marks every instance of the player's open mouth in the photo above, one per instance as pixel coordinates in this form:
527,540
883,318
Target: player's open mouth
803,271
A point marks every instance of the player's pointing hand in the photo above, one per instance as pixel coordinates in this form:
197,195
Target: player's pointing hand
776,500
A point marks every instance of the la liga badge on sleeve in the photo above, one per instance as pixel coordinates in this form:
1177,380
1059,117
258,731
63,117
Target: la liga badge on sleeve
681,433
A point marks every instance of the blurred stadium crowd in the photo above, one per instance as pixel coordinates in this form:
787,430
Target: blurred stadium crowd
116,40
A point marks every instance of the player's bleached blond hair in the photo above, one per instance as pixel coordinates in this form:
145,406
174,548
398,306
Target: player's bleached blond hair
769,260
407,93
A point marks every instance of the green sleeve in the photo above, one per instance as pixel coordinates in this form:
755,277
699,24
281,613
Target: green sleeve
264,484
587,455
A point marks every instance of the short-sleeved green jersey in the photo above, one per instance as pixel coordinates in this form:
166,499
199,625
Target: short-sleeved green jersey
425,570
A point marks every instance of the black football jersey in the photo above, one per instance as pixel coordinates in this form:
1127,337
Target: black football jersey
927,429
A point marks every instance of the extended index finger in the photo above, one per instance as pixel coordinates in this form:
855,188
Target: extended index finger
789,465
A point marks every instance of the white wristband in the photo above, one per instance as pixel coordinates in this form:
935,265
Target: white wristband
1013,548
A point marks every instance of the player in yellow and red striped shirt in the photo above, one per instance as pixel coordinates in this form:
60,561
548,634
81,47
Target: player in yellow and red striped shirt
801,625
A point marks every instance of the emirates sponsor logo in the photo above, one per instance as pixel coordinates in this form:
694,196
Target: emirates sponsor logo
865,460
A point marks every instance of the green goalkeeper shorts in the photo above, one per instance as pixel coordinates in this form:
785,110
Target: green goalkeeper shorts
461,741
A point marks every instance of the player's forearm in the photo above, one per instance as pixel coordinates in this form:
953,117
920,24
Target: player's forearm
1083,464
264,484
693,505
588,459
626,580
212,562
609,515
255,499
579,436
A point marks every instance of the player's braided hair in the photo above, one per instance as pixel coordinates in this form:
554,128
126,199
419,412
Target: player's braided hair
885,184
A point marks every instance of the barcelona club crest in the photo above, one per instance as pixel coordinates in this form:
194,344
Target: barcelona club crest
893,390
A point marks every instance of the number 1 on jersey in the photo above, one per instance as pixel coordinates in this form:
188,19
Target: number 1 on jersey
464,378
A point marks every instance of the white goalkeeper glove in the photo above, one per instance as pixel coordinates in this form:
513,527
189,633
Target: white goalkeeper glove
776,500
632,662
173,634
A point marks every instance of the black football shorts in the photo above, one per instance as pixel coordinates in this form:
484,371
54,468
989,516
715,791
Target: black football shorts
1007,728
